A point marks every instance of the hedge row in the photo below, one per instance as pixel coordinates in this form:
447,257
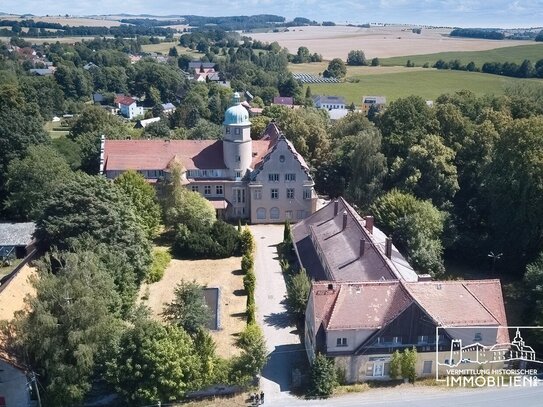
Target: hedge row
247,267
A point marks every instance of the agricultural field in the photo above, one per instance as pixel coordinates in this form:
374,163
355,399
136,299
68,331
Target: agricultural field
382,42
71,21
223,273
533,52
52,40
316,68
428,83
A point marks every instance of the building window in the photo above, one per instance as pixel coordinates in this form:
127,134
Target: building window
427,367
274,213
207,189
290,193
239,195
290,177
423,339
273,177
307,194
258,194
282,158
300,214
237,131
288,215
261,213
219,190
238,174
194,188
274,193
478,337
227,130
238,158
341,342
397,340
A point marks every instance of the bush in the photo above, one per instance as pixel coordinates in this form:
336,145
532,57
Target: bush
409,361
251,313
254,352
227,237
247,263
249,283
298,287
220,241
247,241
323,376
395,365
161,259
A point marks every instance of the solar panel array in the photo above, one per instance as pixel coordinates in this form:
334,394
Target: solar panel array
308,78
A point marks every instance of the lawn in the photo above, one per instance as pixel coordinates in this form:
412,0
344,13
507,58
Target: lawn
509,54
164,48
53,129
223,273
429,84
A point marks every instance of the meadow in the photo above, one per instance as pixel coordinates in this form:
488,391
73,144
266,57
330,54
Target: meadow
428,83
164,48
533,52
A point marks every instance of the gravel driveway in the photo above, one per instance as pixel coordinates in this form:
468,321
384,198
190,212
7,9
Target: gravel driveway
283,343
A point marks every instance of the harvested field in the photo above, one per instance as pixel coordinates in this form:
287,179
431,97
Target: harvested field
71,21
223,273
382,42
318,67
164,48
14,292
52,40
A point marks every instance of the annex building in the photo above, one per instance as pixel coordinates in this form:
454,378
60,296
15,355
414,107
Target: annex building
264,181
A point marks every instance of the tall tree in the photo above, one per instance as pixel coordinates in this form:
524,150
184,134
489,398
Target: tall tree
188,309
336,69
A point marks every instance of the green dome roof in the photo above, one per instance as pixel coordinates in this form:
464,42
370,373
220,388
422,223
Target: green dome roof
237,114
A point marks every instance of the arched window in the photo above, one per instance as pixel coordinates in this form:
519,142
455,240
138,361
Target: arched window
274,213
261,213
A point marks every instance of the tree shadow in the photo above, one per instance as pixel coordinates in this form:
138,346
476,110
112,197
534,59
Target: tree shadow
238,272
240,293
279,320
281,362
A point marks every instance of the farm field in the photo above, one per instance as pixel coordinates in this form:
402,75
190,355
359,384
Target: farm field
52,40
429,84
516,54
71,21
382,42
316,68
223,273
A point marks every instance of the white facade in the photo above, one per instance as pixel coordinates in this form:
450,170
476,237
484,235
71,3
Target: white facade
131,111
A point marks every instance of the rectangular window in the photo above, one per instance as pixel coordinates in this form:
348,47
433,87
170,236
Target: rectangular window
478,337
422,339
207,189
239,195
397,340
258,194
219,190
427,367
290,193
273,177
238,174
300,214
237,131
238,158
290,177
194,188
274,193
307,194
288,215
340,342
227,130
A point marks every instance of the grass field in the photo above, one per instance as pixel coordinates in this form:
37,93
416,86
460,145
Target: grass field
164,48
52,129
429,84
509,54
316,68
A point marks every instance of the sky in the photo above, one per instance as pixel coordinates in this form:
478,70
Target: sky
461,13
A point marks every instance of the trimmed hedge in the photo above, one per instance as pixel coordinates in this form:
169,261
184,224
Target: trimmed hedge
161,259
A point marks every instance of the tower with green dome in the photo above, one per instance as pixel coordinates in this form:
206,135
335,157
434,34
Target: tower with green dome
237,143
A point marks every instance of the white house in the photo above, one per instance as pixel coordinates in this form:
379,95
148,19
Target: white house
329,102
128,107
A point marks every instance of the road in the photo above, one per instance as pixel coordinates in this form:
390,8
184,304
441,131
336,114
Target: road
283,342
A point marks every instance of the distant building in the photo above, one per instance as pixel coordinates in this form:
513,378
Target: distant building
378,102
90,66
128,107
16,240
43,71
282,100
336,114
329,102
168,108
263,181
195,66
141,124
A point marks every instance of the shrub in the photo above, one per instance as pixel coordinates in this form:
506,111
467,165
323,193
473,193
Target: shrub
247,241
298,287
227,238
286,232
161,259
251,313
409,361
254,352
221,241
395,365
249,282
323,376
247,263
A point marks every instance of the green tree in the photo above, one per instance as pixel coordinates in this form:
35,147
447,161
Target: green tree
188,309
33,179
336,69
143,198
92,207
395,369
409,363
323,376
416,227
254,353
356,58
247,242
69,326
154,363
298,287
258,125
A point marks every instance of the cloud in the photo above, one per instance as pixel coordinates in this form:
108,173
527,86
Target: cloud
438,12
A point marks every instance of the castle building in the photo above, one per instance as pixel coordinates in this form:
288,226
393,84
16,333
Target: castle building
264,181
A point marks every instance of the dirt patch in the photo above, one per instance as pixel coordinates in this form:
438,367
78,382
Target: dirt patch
382,42
223,273
14,292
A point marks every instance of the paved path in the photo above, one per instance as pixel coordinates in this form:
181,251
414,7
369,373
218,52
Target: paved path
283,342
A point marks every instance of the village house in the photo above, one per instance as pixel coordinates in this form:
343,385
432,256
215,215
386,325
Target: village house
329,102
16,240
376,102
366,301
263,181
168,108
128,106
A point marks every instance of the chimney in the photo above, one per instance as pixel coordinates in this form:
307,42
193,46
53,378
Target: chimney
344,220
369,224
362,247
388,247
336,207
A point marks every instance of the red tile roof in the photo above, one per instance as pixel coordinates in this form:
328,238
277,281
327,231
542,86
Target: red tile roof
122,155
124,100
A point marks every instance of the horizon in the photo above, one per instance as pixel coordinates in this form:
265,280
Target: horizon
437,13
